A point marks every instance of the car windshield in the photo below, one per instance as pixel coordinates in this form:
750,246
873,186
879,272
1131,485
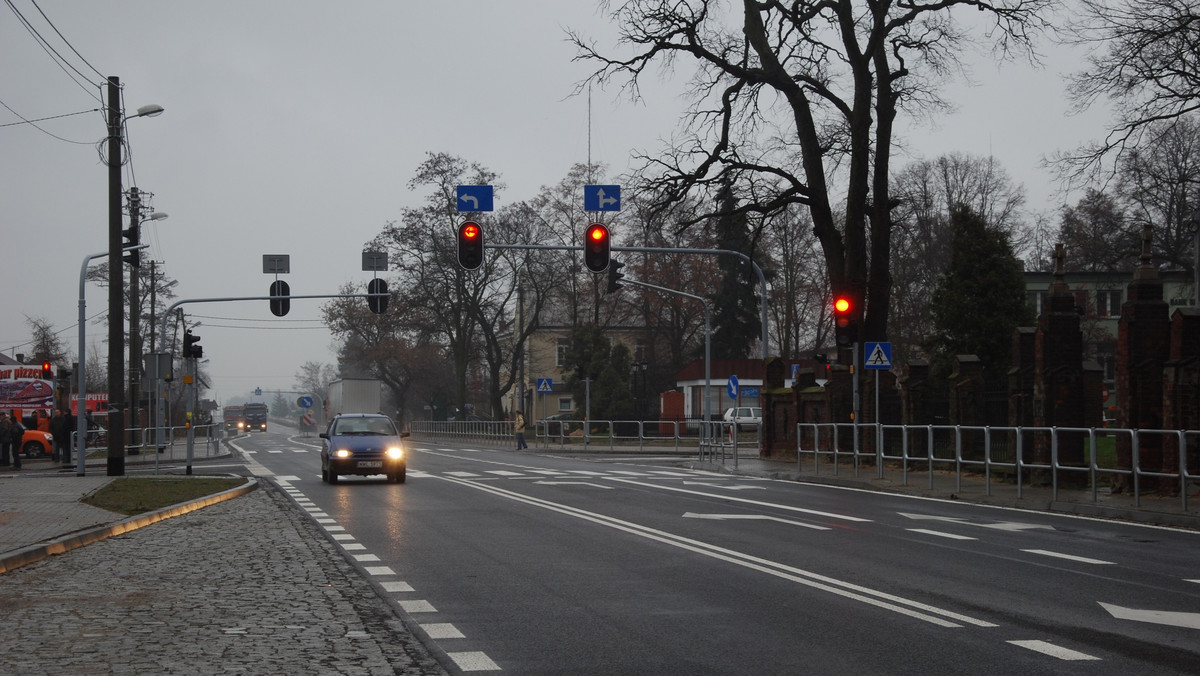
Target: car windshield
374,427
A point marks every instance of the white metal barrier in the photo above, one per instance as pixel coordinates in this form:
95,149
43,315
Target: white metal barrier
988,449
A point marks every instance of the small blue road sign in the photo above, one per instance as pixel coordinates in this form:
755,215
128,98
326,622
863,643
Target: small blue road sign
879,356
601,198
305,402
474,198
733,387
545,385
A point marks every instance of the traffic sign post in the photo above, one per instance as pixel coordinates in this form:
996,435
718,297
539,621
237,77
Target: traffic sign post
878,357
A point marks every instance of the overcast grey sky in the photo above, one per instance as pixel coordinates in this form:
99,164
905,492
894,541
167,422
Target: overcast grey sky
294,127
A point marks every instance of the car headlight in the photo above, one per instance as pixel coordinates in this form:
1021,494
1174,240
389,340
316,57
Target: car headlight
341,453
395,453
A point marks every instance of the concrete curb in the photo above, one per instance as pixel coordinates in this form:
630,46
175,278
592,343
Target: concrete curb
66,543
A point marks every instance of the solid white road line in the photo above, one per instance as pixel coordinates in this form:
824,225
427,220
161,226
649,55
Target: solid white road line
879,599
748,501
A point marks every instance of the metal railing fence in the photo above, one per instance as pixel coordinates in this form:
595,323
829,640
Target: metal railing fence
1026,454
675,436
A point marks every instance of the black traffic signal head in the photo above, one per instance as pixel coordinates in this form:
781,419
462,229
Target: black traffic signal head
47,371
133,236
378,300
190,349
280,298
615,276
470,245
596,248
844,326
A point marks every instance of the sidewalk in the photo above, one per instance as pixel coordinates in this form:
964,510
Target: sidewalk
248,584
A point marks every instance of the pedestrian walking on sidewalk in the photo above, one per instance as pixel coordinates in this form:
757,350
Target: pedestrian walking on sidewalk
519,428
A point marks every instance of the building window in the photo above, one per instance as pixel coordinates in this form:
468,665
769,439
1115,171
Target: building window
1108,303
564,404
1081,301
639,352
560,352
1037,301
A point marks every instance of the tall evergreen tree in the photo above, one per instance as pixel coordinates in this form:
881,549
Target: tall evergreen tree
736,319
980,298
591,355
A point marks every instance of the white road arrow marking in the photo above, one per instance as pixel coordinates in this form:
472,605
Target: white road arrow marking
1167,617
1000,525
735,487
752,517
573,483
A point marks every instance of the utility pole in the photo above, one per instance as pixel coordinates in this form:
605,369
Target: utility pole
135,316
116,284
520,332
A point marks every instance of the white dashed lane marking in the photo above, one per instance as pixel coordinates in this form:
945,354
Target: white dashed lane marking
1069,557
1052,650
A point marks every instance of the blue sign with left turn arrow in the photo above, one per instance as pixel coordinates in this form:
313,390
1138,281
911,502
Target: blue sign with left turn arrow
474,198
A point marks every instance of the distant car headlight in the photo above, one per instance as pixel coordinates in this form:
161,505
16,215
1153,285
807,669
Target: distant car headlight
395,453
341,453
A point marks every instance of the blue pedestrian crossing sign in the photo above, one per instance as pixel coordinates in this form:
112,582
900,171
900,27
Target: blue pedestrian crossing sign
545,385
879,356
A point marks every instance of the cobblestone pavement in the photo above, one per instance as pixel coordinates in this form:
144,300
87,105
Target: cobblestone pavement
246,586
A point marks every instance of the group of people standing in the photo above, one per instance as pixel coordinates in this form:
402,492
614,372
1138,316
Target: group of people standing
12,432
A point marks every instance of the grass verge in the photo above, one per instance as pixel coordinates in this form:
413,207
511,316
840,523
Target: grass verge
135,495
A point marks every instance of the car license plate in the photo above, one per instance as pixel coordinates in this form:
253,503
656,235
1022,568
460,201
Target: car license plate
369,464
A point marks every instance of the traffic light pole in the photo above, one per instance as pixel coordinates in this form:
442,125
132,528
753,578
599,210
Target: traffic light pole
159,432
707,353
762,279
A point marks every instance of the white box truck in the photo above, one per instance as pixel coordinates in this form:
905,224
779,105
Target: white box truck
355,395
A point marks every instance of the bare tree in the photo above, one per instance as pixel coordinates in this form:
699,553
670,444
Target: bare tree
1097,235
1159,185
838,72
315,377
1145,58
927,192
798,308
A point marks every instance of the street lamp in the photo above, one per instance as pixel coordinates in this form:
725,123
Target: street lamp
116,278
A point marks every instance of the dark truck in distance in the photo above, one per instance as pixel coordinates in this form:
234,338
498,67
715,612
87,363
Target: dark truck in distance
255,416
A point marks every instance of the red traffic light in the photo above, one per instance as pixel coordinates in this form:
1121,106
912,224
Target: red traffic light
470,245
845,329
47,370
596,248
